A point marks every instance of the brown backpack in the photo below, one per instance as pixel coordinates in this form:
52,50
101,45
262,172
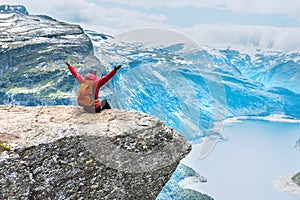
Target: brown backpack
86,93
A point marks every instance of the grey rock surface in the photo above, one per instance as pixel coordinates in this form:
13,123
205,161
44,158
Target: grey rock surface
61,152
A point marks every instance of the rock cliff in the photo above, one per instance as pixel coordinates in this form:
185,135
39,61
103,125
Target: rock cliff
33,49
63,153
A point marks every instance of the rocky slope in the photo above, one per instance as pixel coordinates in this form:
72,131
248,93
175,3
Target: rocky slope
64,153
32,54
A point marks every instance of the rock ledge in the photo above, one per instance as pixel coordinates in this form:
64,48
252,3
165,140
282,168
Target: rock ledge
63,153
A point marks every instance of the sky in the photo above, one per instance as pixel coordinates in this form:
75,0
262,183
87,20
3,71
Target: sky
266,24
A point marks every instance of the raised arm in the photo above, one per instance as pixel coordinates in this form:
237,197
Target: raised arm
76,75
106,78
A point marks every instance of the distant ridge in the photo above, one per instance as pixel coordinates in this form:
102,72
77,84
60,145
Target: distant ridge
13,8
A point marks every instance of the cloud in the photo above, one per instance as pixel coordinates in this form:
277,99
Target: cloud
288,7
92,14
117,16
133,13
169,3
254,6
261,37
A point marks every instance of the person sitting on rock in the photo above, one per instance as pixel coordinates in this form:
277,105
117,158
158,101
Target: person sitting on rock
89,89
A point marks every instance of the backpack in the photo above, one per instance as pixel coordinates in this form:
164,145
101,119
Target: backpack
85,97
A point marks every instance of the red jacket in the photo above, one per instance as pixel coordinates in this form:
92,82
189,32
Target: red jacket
98,83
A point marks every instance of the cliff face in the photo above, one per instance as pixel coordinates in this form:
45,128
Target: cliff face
32,54
62,152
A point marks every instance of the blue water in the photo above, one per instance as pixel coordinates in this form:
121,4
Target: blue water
245,166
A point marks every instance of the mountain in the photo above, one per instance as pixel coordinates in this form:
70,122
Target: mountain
195,88
33,50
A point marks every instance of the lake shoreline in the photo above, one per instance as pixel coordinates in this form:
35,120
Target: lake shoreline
246,165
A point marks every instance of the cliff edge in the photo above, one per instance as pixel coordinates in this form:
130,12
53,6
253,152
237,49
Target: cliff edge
61,152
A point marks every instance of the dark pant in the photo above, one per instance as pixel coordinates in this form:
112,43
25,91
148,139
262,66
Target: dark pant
103,105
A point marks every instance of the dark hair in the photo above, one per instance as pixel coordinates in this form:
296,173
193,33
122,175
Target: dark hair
92,70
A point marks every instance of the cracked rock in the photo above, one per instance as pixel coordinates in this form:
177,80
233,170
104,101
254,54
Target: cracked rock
64,153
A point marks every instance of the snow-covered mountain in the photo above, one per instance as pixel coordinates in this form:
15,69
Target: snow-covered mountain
194,88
